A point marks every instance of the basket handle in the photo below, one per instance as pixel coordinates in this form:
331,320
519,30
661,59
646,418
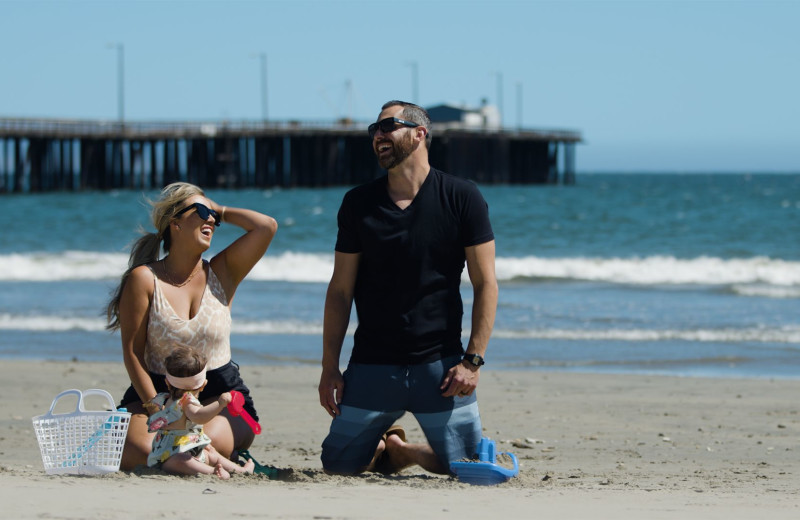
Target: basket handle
81,395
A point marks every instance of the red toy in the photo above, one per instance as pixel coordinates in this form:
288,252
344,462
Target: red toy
236,408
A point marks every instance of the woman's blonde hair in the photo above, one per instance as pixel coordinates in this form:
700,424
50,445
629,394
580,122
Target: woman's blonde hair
148,247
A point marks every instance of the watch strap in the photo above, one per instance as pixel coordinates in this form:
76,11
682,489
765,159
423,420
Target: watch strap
474,359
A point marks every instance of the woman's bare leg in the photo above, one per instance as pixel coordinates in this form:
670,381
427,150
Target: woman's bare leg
228,433
138,441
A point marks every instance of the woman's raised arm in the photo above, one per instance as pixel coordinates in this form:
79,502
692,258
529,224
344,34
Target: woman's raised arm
233,263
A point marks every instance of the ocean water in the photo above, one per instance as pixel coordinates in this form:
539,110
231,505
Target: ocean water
692,275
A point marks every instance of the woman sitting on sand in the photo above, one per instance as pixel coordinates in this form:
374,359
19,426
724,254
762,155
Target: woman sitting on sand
180,445
181,299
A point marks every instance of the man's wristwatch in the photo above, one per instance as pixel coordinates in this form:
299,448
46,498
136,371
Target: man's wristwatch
474,360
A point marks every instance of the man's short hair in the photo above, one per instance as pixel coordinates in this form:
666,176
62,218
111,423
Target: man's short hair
415,114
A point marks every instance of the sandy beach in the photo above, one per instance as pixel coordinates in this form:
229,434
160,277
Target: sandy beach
599,446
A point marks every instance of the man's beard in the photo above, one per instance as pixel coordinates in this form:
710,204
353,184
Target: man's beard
400,151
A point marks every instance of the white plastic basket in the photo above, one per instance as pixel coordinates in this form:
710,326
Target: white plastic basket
83,441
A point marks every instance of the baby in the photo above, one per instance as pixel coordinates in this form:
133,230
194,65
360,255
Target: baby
180,445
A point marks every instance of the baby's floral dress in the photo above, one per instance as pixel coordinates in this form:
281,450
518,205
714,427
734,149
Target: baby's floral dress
167,443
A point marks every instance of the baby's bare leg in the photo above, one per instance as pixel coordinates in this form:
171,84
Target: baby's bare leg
185,464
216,459
221,472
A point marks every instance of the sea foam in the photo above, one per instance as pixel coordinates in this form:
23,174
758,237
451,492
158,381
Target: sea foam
782,335
655,270
756,276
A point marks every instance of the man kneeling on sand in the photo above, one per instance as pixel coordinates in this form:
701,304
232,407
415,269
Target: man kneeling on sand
402,244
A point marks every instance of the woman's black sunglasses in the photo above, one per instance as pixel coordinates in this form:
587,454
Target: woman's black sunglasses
203,212
387,125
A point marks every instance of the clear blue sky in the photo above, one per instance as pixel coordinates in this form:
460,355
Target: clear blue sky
652,85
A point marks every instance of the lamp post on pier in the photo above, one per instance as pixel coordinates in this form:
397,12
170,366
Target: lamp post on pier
120,79
500,96
414,82
262,57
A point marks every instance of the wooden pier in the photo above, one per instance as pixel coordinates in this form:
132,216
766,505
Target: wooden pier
69,155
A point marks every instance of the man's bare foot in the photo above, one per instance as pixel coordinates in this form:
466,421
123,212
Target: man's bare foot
394,456
400,454
221,472
397,454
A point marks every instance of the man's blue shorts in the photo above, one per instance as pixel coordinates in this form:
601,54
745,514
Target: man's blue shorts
375,396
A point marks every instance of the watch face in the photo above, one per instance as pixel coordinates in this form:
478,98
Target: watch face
475,359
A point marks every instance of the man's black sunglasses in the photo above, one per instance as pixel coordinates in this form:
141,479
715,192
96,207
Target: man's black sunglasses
203,212
387,125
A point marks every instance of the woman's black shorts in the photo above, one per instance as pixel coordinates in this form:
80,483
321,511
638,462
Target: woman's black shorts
220,380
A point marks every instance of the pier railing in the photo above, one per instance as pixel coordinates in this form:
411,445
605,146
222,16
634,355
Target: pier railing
34,127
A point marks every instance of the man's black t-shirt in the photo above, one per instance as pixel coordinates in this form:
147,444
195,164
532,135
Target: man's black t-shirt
407,291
